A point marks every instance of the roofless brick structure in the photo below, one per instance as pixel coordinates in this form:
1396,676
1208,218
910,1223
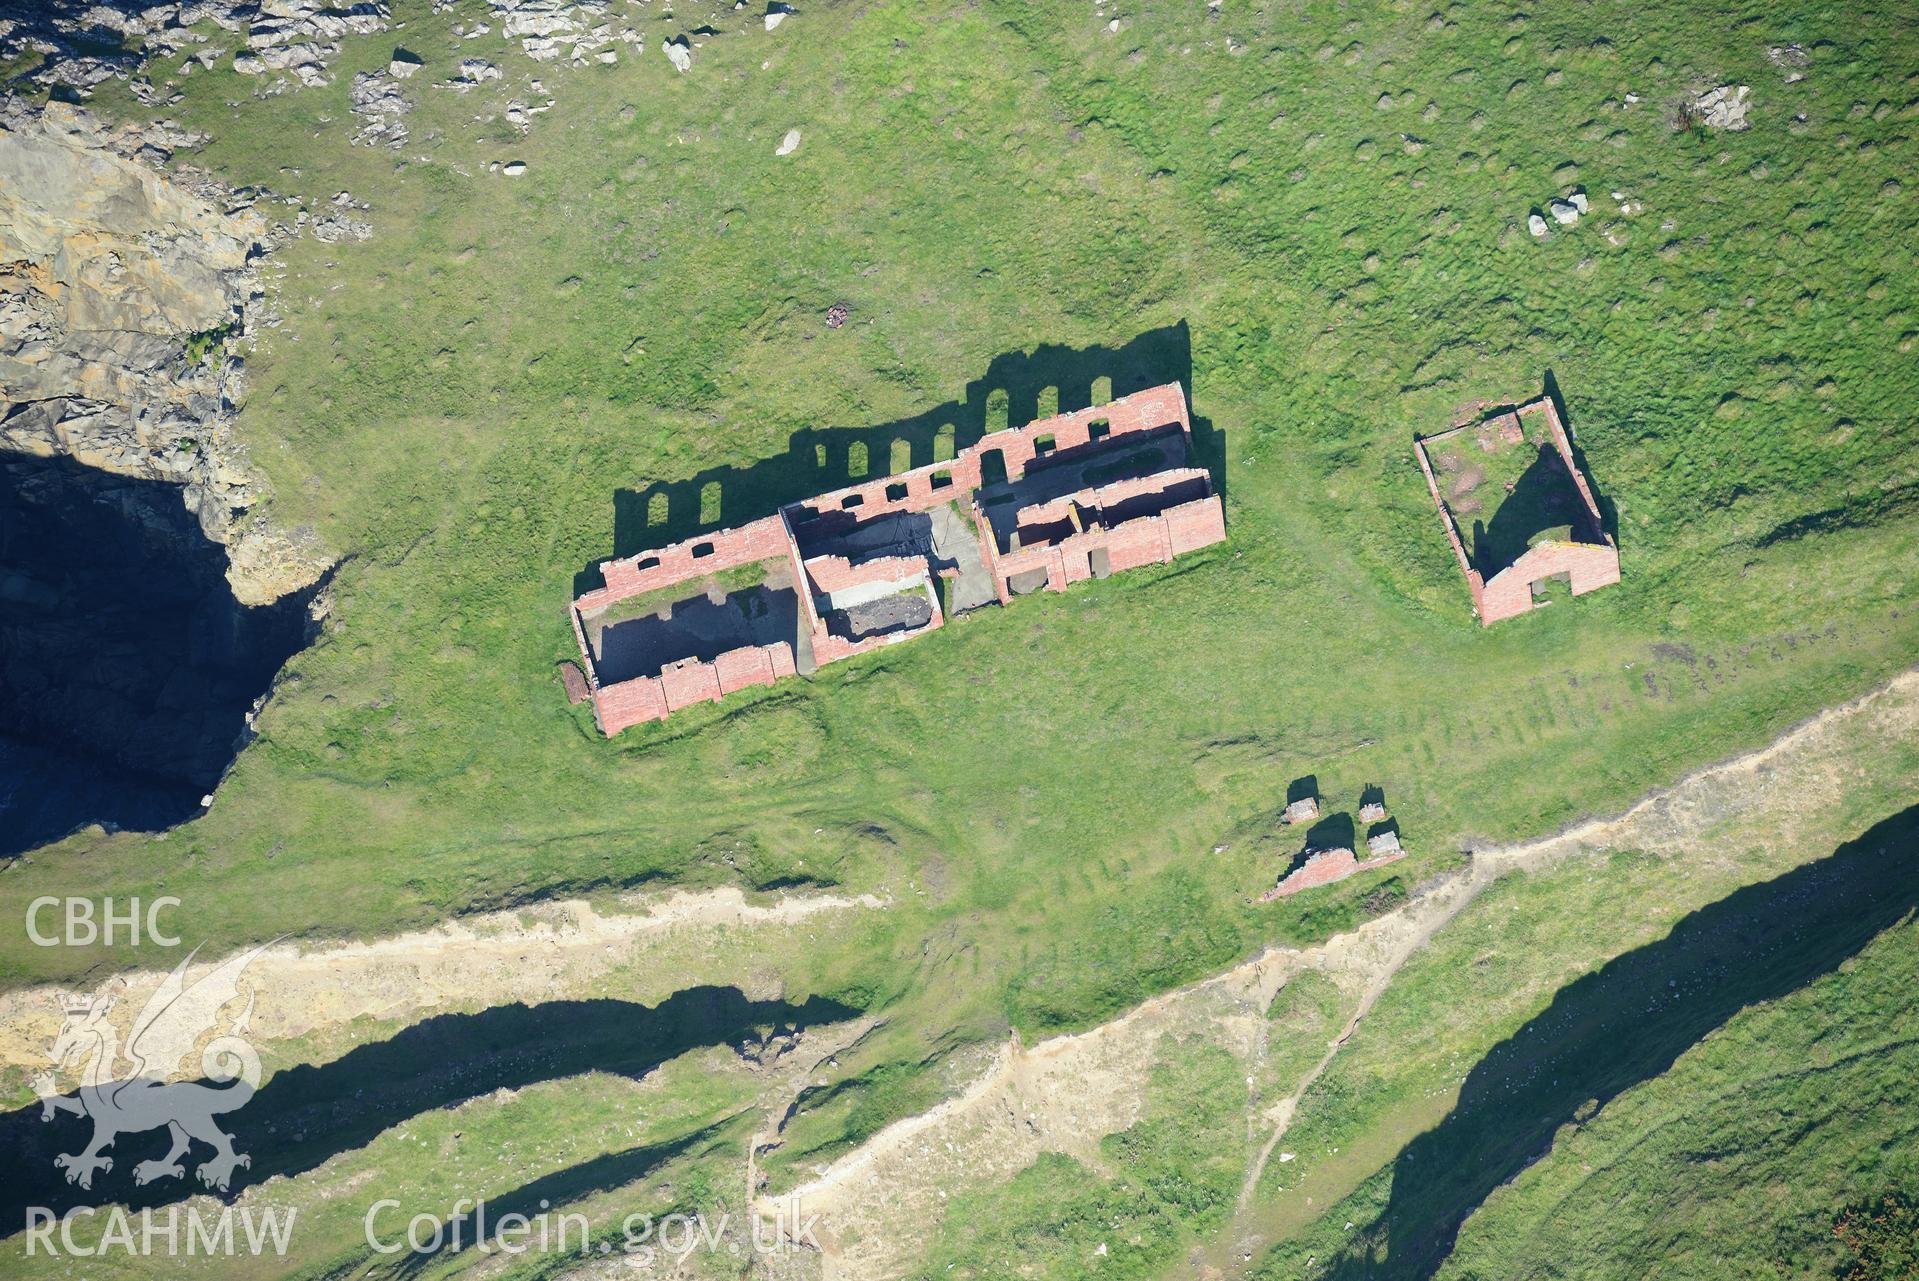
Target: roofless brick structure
1547,525
1077,496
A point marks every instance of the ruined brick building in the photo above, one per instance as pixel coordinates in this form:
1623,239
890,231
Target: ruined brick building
1075,496
1544,529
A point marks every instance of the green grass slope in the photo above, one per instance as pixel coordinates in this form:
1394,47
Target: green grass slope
1313,216
1738,1160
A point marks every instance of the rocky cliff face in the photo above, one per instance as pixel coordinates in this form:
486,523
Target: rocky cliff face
118,289
144,605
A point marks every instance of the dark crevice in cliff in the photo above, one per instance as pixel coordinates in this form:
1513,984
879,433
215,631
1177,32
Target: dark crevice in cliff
127,668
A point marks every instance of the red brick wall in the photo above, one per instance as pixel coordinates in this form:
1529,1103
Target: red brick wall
1509,592
631,702
1324,869
828,648
1141,411
1147,540
1563,443
836,573
1194,525
762,540
1446,519
648,698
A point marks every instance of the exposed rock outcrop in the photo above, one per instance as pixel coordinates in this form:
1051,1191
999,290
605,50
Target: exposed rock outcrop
119,289
82,44
1724,107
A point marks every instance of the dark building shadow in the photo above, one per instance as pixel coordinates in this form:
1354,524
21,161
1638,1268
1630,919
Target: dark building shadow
1627,1023
696,628
305,1115
1334,832
1541,499
1608,511
818,460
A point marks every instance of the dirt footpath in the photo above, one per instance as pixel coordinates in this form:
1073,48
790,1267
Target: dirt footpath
879,1207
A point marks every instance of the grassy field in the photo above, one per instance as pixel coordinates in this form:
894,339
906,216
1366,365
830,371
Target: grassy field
1313,216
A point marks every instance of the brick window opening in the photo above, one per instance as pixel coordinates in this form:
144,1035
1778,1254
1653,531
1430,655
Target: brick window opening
1044,446
999,407
702,549
942,480
1098,429
651,562
896,491
852,500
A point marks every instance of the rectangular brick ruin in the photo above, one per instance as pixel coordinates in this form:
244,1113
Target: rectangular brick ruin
1076,496
1585,557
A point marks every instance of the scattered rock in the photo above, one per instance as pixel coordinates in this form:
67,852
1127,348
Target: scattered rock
1564,212
776,14
513,168
403,65
789,144
836,315
375,98
678,53
473,71
1792,58
333,228
64,42
1536,225
1723,108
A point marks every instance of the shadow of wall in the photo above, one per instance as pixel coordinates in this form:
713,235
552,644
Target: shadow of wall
1628,1022
305,1115
817,460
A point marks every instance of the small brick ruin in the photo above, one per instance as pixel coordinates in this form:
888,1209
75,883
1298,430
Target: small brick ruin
1325,866
1585,558
1080,495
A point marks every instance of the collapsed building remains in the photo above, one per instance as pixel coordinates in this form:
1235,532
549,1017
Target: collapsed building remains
1076,496
1544,529
1323,867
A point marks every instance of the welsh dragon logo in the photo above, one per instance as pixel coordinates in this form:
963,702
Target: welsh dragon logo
158,1050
